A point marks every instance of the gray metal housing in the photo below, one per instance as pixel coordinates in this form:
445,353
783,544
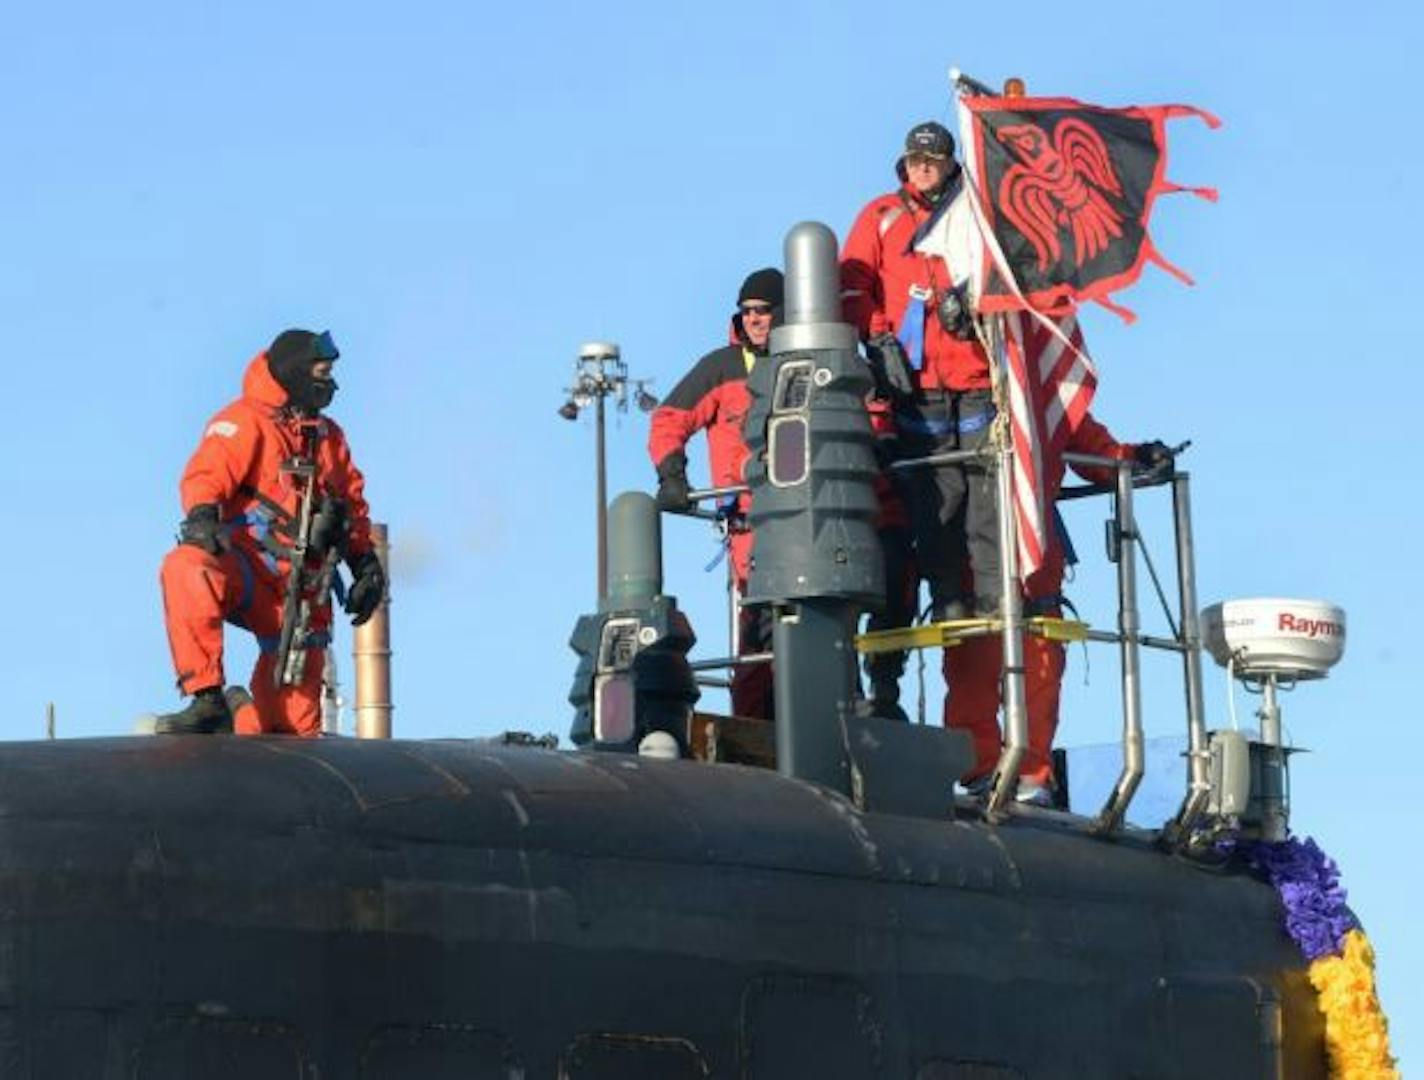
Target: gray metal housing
634,648
812,467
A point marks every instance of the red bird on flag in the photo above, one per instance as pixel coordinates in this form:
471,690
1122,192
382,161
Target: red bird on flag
1062,192
1061,184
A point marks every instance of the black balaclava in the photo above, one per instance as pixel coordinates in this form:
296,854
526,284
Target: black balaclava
290,359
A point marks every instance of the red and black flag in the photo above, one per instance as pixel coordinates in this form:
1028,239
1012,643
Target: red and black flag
1054,213
1066,189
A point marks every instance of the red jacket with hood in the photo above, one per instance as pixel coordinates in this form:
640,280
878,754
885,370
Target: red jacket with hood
240,457
878,270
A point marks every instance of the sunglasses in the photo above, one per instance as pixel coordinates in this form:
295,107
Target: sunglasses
756,309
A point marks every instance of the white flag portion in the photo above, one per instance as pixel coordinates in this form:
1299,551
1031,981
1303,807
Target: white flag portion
958,232
1049,378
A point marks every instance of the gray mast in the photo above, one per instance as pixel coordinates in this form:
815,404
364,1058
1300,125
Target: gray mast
816,557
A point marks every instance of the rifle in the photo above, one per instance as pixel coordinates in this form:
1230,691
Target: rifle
323,526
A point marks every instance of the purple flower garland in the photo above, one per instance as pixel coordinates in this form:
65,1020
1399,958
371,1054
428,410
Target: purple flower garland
1308,882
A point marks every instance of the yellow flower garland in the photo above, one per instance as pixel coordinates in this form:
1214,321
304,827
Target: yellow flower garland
1356,1031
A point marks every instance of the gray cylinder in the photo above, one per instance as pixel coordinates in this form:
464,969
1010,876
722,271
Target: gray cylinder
633,677
635,551
813,284
816,557
812,469
814,644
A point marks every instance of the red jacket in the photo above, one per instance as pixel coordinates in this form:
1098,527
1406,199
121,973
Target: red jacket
878,270
712,397
1090,437
239,458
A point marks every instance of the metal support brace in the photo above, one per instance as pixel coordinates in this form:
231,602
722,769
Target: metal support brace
1003,786
717,663
955,631
1125,530
703,494
1275,819
1198,753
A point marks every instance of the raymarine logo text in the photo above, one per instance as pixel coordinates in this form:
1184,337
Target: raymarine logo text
1309,627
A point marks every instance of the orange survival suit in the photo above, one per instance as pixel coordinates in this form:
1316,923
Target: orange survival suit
237,467
972,669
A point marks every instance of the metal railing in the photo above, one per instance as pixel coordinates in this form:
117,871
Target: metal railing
1125,543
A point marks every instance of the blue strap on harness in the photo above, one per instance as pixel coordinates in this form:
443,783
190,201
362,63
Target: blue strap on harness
316,639
726,510
260,522
967,426
1070,555
912,330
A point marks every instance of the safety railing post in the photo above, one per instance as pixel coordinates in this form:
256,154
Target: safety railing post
734,616
1003,786
1125,545
1198,755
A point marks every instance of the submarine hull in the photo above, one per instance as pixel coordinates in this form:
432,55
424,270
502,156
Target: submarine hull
225,907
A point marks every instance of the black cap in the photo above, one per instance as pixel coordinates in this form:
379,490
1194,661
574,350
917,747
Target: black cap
930,138
764,285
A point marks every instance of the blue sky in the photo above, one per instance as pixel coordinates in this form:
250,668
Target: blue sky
463,195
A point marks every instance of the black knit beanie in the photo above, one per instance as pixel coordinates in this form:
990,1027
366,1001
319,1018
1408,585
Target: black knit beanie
764,285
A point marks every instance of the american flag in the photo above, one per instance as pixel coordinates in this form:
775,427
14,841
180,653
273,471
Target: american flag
1049,384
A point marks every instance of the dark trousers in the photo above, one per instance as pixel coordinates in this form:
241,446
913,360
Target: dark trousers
901,592
953,508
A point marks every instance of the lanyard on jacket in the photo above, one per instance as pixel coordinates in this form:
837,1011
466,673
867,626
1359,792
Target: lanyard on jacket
912,326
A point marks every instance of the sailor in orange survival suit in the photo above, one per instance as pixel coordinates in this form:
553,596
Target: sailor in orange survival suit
232,563
973,669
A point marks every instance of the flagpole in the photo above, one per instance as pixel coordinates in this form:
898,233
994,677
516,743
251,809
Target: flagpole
993,334
1004,785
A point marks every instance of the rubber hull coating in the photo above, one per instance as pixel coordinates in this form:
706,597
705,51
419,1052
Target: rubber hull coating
266,907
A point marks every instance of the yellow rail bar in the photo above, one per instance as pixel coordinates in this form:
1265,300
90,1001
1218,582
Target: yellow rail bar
946,634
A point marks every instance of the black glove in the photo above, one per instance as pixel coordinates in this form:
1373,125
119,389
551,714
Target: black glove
672,483
953,311
328,528
1154,456
368,587
201,529
890,366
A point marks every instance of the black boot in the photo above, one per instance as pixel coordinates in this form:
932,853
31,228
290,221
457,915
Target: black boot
206,714
885,697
